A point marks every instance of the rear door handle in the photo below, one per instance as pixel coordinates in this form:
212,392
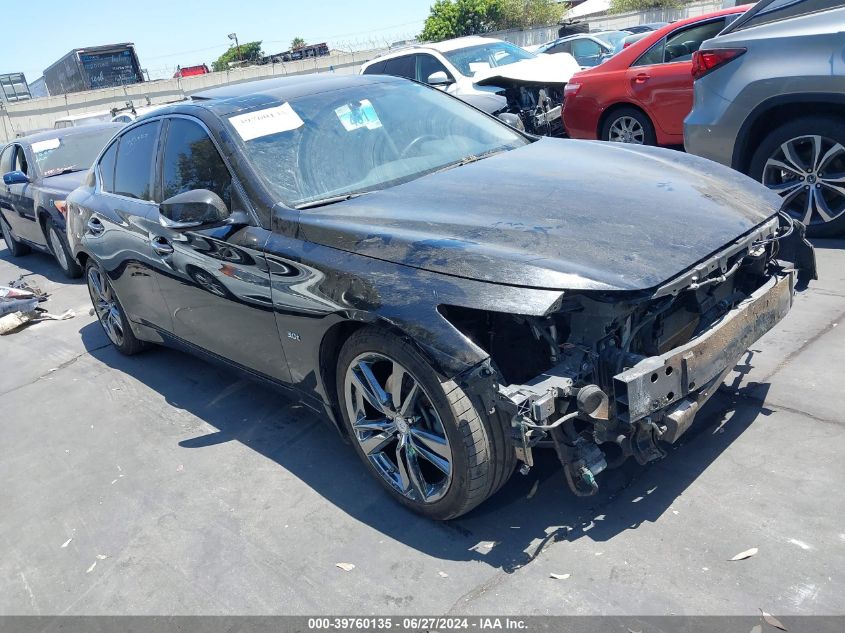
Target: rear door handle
95,227
641,78
161,246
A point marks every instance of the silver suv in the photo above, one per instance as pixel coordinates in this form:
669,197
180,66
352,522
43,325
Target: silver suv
770,102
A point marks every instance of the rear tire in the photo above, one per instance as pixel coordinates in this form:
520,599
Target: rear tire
474,444
15,247
800,161
629,125
109,311
61,251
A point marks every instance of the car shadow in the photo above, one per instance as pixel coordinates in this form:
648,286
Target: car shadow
35,263
527,514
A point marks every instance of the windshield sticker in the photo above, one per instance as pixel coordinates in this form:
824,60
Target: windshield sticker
46,146
358,115
266,122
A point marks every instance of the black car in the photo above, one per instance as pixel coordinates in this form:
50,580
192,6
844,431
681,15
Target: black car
39,171
449,292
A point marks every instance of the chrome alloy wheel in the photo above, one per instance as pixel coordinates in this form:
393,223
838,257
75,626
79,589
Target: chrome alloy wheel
105,305
626,129
397,427
808,172
57,248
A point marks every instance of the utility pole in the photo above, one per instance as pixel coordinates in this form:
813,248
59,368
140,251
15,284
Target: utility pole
234,36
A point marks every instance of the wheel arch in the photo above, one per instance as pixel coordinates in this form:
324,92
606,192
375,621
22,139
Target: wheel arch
620,105
774,112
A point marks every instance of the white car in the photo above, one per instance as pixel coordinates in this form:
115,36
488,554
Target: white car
498,77
79,120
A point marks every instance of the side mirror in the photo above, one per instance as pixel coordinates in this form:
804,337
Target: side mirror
440,78
198,207
512,119
15,178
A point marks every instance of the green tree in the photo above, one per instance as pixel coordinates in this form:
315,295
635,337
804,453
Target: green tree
621,6
251,51
457,18
296,43
515,14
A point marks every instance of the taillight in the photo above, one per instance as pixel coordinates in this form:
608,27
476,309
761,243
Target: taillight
705,61
571,89
61,205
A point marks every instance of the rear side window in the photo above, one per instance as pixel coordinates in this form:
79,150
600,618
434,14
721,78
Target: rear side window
777,10
191,161
401,67
106,168
134,166
376,68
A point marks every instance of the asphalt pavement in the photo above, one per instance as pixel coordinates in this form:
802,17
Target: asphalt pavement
160,484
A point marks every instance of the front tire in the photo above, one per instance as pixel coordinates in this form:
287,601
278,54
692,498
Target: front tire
424,439
15,248
804,162
629,125
61,252
109,311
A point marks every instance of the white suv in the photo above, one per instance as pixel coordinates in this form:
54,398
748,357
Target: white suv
495,76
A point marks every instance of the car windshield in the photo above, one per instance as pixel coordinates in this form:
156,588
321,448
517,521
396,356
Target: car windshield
364,138
614,39
74,152
473,59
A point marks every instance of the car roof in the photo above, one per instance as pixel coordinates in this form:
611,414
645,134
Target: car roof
65,131
226,100
441,47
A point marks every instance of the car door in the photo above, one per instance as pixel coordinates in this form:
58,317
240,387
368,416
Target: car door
427,65
117,220
5,199
661,79
22,201
215,280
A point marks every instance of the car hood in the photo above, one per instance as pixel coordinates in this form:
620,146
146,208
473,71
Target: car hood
63,183
543,69
555,214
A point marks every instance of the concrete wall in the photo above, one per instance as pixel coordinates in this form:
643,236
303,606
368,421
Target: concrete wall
42,113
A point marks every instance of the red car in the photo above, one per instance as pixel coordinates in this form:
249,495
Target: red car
643,93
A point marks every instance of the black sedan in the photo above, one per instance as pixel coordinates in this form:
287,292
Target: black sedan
39,171
451,293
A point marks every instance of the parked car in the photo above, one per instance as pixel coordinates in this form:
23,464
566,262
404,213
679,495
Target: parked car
642,94
495,76
646,28
81,120
38,173
436,300
588,50
769,97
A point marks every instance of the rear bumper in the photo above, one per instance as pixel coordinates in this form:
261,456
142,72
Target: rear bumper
678,382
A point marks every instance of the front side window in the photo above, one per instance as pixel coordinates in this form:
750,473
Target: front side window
20,160
427,65
473,59
587,52
134,166
364,138
191,161
69,153
680,46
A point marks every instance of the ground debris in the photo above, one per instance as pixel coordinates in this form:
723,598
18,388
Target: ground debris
345,566
772,620
559,576
442,574
483,547
67,542
746,554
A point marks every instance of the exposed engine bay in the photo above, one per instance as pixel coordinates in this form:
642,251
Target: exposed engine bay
538,107
604,376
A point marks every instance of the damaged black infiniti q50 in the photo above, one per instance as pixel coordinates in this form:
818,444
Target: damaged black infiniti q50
451,293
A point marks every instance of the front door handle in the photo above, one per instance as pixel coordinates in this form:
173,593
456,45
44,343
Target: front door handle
641,78
161,246
95,227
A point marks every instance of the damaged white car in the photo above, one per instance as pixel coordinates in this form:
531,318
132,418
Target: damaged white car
523,89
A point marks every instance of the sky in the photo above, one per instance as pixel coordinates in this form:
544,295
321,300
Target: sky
168,33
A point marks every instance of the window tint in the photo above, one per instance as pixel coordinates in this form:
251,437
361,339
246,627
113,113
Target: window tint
134,162
191,161
764,13
107,168
6,160
20,160
654,55
563,47
427,65
401,67
375,69
681,45
587,52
